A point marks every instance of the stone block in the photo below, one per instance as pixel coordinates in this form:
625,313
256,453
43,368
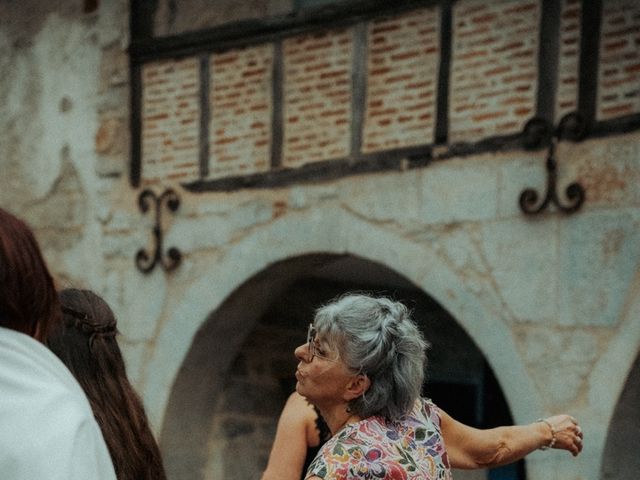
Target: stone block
608,170
522,260
559,361
114,66
461,191
598,259
517,173
142,317
110,136
389,197
235,221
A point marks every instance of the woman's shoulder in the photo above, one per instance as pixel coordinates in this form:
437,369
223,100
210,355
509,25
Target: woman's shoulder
429,409
60,420
34,367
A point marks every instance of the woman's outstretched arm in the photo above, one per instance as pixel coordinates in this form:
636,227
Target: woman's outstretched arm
470,448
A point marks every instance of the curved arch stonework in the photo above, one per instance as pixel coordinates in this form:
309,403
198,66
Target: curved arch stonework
255,264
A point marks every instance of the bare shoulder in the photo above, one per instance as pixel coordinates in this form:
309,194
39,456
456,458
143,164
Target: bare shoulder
297,407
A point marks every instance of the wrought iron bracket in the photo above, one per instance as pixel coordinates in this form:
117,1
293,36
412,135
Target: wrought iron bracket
538,132
145,262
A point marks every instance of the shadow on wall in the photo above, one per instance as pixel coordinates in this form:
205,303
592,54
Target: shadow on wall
240,369
620,462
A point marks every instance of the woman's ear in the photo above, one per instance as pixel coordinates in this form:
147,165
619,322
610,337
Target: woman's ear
356,387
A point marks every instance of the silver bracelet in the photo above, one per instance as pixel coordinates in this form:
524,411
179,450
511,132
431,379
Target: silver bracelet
553,434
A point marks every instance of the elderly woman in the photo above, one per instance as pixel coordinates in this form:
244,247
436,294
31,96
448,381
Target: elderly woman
363,368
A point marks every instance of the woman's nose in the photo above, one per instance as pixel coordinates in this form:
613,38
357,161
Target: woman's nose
302,352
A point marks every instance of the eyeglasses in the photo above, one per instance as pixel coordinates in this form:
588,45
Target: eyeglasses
314,348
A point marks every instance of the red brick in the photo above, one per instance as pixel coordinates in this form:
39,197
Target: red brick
224,59
528,77
387,111
488,116
473,33
472,54
633,68
385,29
570,14
399,78
523,112
380,71
617,45
316,67
419,106
507,126
624,31
486,18
617,82
334,74
226,140
405,55
160,116
618,110
520,9
318,46
515,100
509,46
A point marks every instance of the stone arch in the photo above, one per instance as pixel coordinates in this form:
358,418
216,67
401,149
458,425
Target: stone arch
268,262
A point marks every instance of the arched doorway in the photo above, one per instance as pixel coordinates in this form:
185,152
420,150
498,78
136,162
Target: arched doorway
620,458
225,403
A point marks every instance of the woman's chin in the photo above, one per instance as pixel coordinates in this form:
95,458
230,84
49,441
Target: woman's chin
300,389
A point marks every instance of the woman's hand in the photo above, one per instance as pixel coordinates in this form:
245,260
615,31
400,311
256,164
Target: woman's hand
567,433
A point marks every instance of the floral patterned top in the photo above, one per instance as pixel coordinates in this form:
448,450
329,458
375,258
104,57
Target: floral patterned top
376,448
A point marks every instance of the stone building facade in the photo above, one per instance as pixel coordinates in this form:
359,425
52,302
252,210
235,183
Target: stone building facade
316,147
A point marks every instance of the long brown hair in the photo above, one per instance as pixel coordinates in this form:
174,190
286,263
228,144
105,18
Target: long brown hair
28,299
86,343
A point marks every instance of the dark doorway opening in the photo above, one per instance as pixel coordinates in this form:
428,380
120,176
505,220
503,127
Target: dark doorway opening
459,379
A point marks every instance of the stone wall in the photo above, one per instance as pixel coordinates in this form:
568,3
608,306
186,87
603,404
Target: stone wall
551,302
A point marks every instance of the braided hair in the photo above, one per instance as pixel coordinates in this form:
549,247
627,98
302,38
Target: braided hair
86,344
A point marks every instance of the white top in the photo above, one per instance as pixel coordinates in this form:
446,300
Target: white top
47,428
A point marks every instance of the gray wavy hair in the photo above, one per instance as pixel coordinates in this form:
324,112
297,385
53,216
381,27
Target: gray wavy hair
377,337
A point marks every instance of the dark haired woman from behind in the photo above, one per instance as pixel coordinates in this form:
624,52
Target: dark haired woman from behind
86,343
47,429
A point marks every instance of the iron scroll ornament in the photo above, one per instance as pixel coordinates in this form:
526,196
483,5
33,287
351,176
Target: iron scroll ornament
144,261
538,132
